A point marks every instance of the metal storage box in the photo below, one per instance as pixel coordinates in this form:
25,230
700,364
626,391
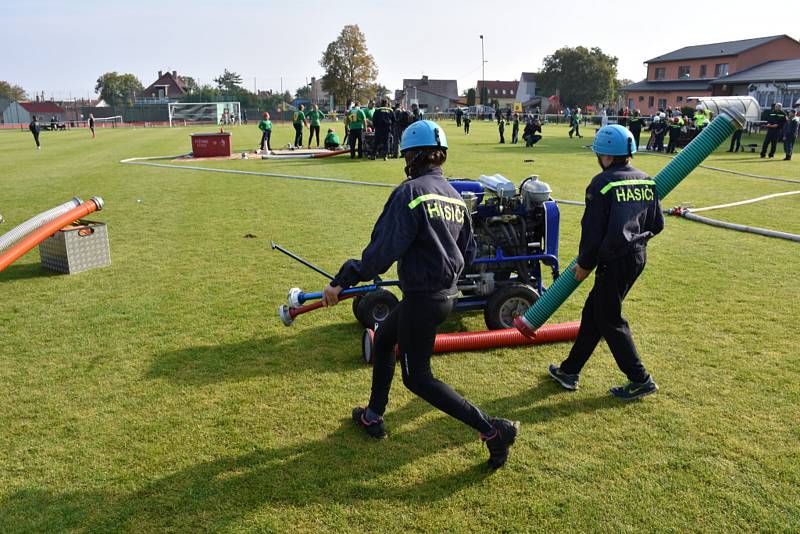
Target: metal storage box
209,145
77,248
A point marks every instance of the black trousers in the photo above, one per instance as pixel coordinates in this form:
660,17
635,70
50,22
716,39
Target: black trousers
466,127
381,142
412,324
398,135
576,128
674,134
265,140
736,141
356,136
637,133
514,135
313,130
788,146
602,318
458,121
532,140
773,134
36,137
502,137
298,135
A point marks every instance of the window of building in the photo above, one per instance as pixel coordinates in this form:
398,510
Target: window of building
660,73
641,99
683,71
679,99
721,69
650,101
703,71
504,91
662,103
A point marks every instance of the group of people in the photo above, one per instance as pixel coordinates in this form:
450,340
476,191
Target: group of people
531,134
781,126
622,214
36,128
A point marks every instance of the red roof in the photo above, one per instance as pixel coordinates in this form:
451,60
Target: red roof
42,107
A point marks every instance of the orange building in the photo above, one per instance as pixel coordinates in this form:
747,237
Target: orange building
689,71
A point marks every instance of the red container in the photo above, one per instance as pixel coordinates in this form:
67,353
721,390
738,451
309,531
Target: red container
209,145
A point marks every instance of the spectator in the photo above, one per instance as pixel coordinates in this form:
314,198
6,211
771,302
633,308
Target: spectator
790,131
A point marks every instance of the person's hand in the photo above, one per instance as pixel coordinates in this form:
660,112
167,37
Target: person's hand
330,295
580,273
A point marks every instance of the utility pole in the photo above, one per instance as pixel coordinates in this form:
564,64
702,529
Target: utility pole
483,74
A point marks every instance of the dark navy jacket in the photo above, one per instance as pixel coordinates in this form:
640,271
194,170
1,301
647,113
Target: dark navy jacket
622,213
383,119
425,227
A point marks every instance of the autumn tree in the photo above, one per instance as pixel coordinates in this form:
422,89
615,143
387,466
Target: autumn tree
350,70
579,75
118,89
11,91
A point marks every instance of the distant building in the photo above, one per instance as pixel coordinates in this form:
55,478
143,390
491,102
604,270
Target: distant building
690,71
505,93
430,95
770,82
167,87
21,112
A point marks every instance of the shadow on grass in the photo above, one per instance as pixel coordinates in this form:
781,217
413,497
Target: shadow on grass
26,271
345,468
272,355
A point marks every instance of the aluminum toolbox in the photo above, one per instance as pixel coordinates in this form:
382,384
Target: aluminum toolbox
75,249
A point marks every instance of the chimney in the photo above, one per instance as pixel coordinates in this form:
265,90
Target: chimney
160,74
424,79
175,74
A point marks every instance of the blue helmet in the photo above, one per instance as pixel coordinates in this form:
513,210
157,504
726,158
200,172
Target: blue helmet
614,140
422,134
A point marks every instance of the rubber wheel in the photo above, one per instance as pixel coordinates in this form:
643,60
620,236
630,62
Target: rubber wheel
375,307
506,304
356,302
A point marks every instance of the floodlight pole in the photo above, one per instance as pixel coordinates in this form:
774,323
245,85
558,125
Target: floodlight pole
483,73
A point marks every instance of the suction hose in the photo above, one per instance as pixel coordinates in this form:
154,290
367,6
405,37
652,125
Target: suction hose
43,232
490,339
666,180
288,313
18,232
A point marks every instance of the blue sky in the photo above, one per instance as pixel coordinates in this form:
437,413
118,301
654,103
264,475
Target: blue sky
61,47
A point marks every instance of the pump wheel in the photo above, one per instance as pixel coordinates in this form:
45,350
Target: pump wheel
374,307
506,304
356,302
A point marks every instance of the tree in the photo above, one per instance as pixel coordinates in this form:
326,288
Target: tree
380,91
228,81
303,92
579,75
12,92
118,89
471,97
188,83
350,70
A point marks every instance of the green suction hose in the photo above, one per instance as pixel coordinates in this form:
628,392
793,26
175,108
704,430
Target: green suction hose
666,180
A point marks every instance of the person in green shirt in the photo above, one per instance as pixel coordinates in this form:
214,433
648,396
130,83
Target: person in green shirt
314,116
332,140
370,110
575,124
356,122
298,120
266,131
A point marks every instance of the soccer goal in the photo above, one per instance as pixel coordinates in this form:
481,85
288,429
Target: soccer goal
223,113
107,122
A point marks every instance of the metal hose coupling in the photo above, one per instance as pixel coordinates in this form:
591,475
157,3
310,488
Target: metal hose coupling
98,201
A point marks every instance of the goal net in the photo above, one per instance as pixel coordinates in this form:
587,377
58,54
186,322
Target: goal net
107,122
183,113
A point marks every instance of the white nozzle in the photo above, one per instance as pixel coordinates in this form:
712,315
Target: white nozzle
295,296
283,312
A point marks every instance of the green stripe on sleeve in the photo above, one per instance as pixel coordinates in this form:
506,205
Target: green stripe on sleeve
611,185
432,196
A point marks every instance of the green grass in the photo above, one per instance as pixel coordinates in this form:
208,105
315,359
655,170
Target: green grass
163,393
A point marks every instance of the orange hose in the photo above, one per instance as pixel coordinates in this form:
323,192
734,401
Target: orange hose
329,154
34,238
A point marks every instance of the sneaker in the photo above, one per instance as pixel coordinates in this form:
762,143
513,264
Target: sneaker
566,380
373,428
763,156
504,432
635,390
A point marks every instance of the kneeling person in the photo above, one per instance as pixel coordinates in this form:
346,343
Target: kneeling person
332,140
425,227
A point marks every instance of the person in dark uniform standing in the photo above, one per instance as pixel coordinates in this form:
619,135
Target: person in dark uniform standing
467,121
675,125
91,125
383,122
515,130
790,131
459,115
426,228
402,119
736,140
622,214
660,130
35,130
775,122
635,126
501,127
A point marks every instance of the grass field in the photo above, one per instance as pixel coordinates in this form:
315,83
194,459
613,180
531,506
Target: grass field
163,393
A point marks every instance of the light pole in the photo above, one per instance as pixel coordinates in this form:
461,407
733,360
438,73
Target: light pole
483,74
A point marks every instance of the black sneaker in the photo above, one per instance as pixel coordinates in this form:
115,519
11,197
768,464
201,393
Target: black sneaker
373,428
566,380
504,432
635,390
